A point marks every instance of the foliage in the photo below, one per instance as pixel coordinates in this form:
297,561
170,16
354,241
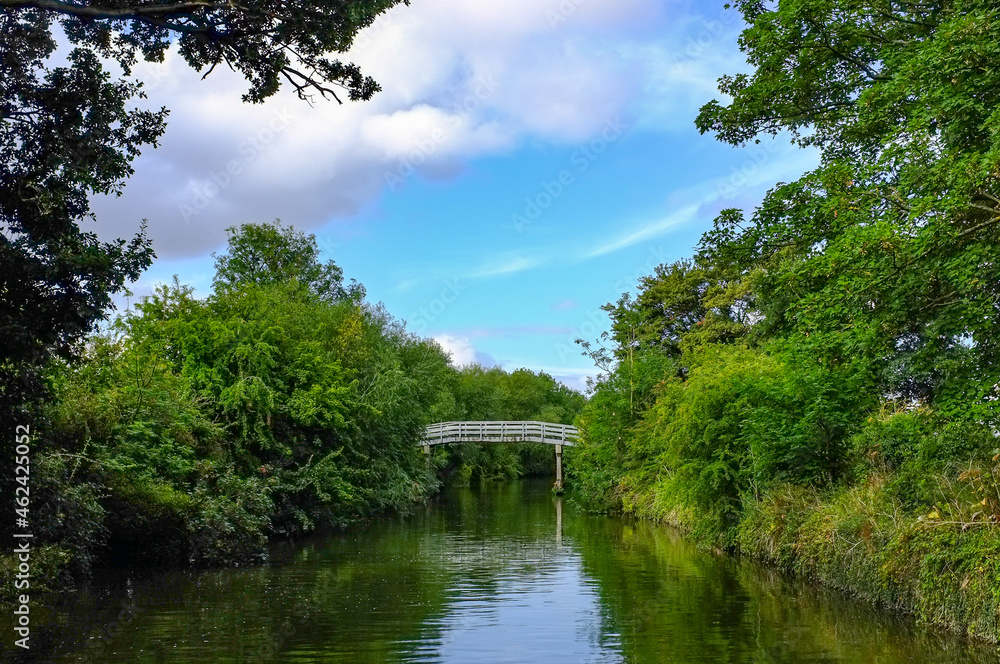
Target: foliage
481,393
194,430
871,279
607,425
69,129
266,41
818,384
135,461
66,133
270,254
322,396
887,251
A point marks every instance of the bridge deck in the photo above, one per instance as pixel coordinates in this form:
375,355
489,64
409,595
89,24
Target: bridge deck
444,433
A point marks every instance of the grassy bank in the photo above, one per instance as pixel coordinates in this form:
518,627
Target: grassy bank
918,535
861,541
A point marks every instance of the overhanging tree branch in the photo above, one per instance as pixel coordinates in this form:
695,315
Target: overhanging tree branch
98,12
266,40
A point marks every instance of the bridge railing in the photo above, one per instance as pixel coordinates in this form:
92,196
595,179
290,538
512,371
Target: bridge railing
500,432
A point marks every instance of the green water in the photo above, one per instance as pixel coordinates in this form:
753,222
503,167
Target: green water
499,574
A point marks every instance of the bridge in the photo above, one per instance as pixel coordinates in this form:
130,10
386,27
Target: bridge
558,435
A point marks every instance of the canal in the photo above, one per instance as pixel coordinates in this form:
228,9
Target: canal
505,573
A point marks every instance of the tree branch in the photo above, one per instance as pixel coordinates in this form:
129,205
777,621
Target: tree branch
97,12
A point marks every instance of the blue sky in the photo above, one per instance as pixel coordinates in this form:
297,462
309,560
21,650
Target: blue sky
526,162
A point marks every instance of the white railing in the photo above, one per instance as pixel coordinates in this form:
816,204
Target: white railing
444,433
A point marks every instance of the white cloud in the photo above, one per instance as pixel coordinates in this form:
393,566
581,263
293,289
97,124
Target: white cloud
679,69
461,80
505,265
761,167
462,351
643,233
572,377
424,133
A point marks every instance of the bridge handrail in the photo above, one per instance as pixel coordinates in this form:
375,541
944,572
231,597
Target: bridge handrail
443,433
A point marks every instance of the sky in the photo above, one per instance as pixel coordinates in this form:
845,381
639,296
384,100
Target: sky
526,162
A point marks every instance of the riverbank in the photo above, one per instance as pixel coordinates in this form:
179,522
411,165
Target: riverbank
861,540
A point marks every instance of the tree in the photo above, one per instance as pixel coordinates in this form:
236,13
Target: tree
870,281
268,41
65,134
70,131
318,391
888,251
267,254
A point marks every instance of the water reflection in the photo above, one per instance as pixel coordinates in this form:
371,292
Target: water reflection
501,574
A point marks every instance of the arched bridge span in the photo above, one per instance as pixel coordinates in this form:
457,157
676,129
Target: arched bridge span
558,435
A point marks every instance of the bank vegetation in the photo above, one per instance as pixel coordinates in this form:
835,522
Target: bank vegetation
818,384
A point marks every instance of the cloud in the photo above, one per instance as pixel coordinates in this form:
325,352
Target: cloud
566,305
461,81
505,265
572,377
497,265
762,165
462,352
643,233
679,69
406,285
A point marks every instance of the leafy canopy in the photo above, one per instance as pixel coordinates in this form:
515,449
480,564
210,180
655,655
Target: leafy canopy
269,254
888,252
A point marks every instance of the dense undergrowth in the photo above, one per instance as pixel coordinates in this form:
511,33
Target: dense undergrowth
193,431
916,529
818,386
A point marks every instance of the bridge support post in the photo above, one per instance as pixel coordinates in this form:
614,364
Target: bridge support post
427,450
559,474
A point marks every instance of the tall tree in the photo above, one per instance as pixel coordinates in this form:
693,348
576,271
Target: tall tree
266,254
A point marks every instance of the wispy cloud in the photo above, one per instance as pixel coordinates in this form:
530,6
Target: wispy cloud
644,233
565,305
406,285
504,266
762,166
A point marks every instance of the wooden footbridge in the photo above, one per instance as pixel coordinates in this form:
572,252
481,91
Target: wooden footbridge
558,435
